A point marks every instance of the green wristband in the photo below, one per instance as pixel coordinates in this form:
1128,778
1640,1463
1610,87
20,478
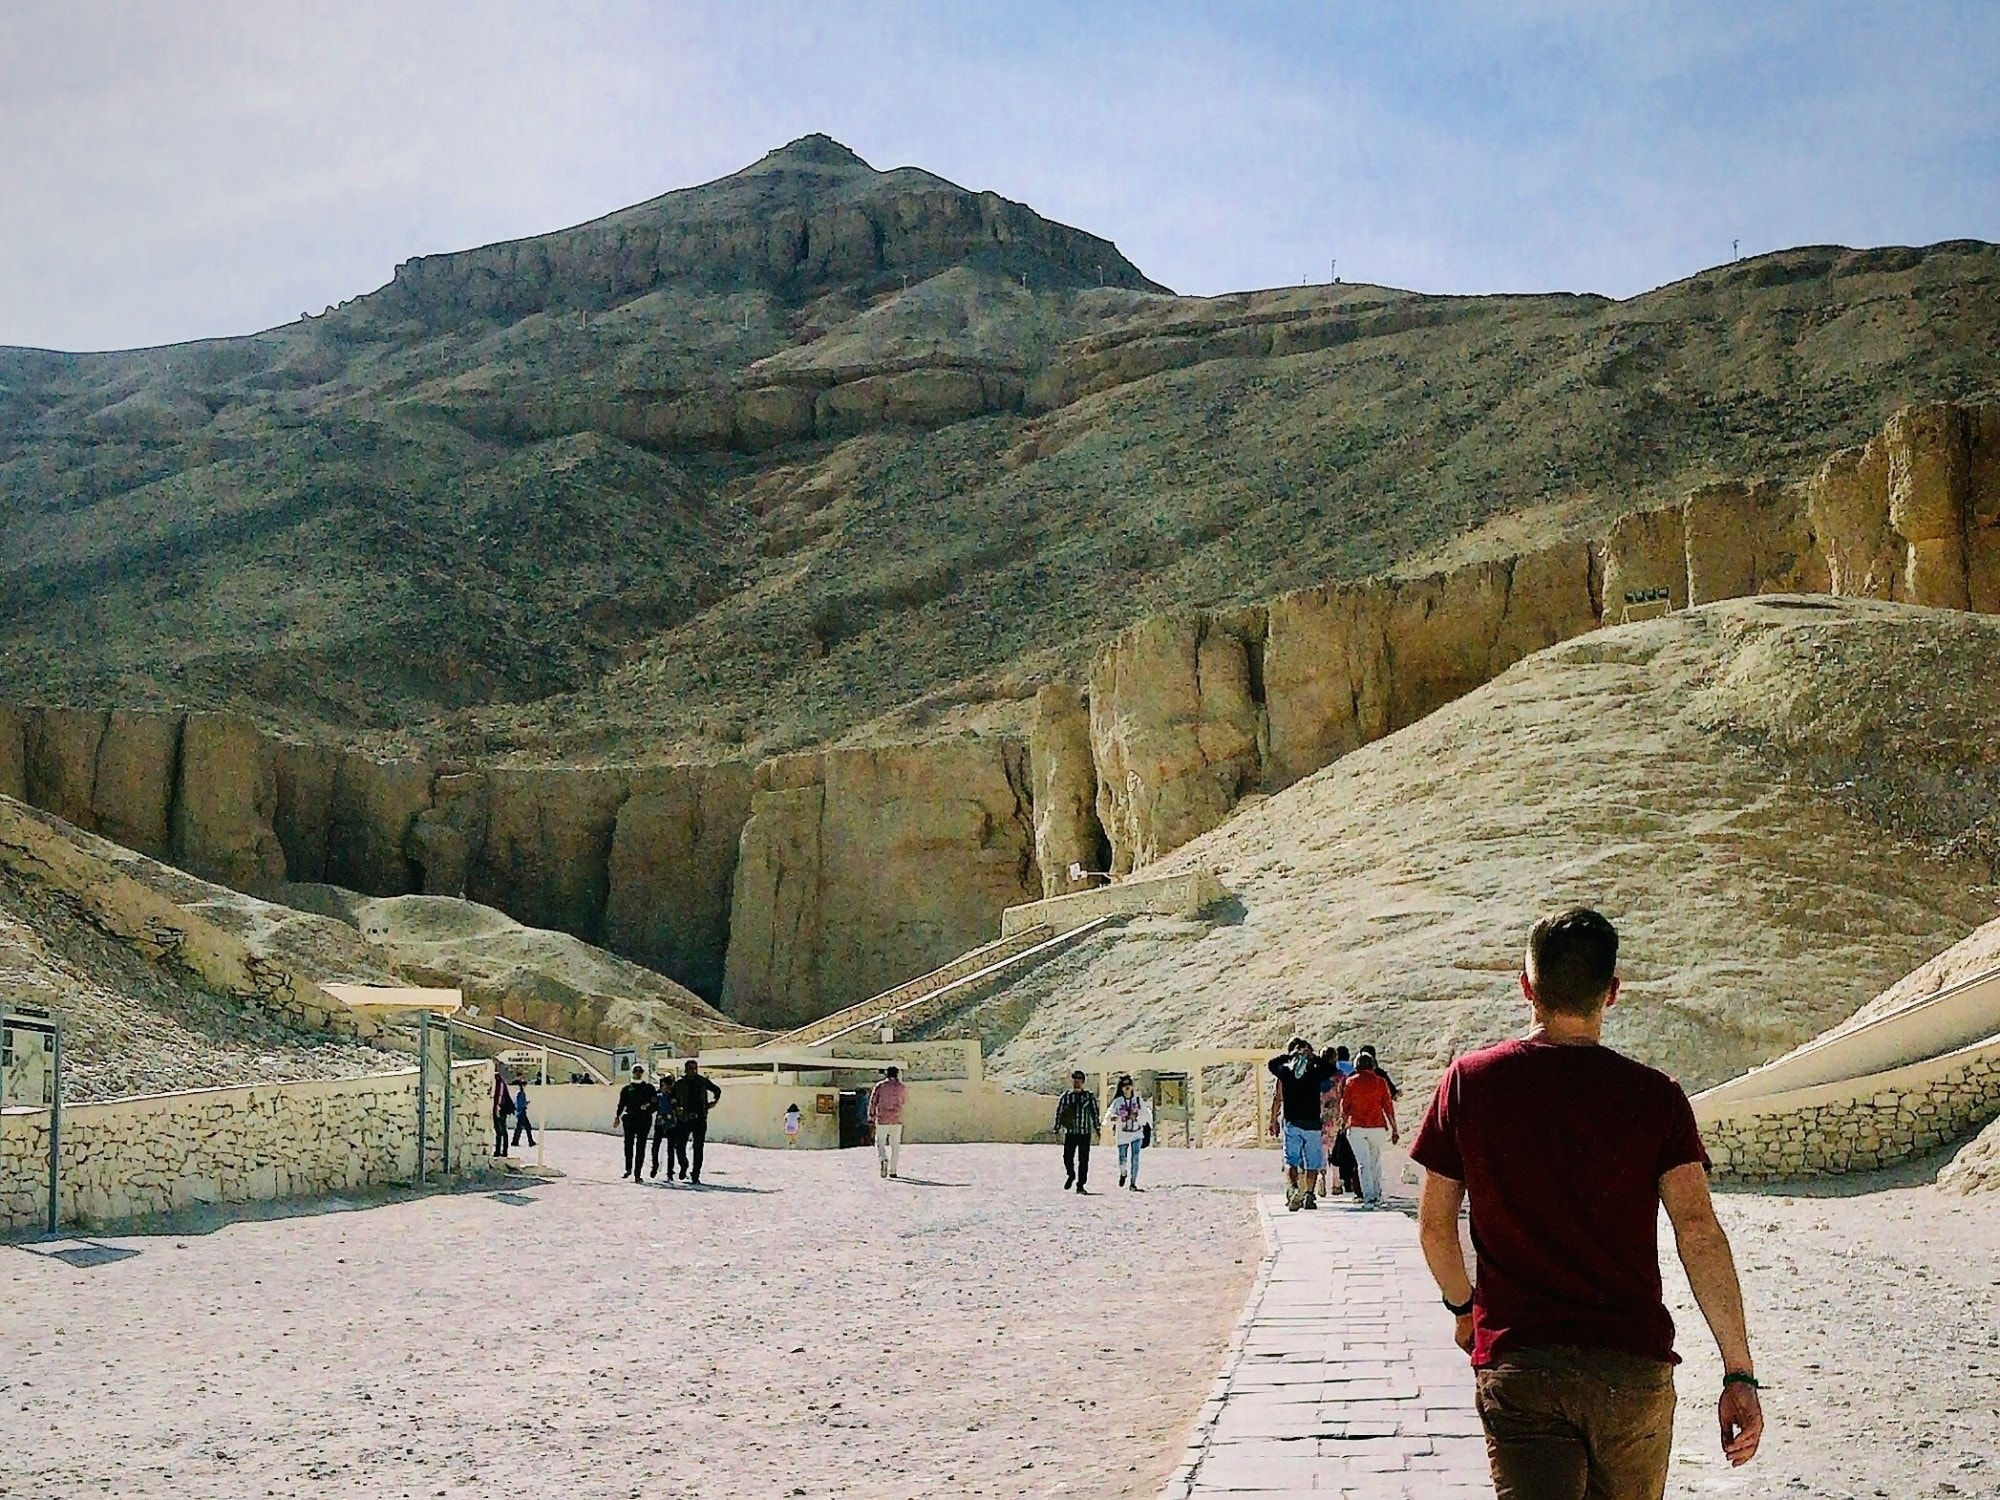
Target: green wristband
1742,1377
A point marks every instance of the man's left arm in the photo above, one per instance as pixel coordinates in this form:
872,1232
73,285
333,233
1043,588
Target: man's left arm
1711,1272
1437,1233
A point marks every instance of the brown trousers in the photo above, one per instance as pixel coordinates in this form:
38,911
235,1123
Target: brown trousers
1577,1424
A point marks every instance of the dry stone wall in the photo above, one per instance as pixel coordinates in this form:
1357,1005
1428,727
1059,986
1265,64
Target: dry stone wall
1873,1129
128,1158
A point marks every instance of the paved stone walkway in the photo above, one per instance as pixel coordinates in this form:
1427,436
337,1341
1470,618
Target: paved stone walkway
1342,1378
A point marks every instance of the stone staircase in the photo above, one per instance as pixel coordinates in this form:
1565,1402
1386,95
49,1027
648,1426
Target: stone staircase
960,982
513,1034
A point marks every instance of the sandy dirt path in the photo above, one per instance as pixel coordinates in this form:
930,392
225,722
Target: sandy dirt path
800,1328
1875,1319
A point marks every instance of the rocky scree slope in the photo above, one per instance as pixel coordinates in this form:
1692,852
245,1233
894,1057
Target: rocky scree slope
817,451
1786,803
139,1014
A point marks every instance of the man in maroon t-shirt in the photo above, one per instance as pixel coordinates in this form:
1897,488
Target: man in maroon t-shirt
1567,1150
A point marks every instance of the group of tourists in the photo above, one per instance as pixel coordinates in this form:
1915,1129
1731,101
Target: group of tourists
675,1114
1337,1114
1079,1122
510,1105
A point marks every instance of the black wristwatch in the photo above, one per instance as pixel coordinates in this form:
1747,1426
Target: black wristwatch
1458,1310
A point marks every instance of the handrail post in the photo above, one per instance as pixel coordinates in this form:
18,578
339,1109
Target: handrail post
423,1090
55,1126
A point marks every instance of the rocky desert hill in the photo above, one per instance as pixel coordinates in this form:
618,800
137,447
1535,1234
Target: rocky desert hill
818,451
746,583
1787,803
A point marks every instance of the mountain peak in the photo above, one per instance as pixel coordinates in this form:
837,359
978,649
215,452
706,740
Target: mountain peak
815,150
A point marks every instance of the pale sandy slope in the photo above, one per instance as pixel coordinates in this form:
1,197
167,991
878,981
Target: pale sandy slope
1785,804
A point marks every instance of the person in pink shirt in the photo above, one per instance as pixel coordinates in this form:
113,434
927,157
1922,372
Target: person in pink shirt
885,1113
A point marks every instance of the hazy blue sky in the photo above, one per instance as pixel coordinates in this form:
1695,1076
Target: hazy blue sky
176,170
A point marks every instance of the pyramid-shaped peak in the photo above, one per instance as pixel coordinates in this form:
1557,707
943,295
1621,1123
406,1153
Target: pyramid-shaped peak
815,150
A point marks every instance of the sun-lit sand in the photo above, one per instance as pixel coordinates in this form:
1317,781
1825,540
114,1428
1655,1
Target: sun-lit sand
801,1327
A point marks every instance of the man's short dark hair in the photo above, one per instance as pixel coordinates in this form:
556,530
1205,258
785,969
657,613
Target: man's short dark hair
1298,1042
893,1071
1367,1063
1572,959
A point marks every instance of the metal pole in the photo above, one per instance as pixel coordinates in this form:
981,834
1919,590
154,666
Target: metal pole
55,1130
445,1168
423,1088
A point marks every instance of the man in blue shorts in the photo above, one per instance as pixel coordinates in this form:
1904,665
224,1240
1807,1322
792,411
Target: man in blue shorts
1300,1074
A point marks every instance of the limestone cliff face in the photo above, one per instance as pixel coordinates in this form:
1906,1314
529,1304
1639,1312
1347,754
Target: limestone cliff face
198,789
860,868
1914,515
809,217
222,819
1067,832
13,753
673,870
813,880
1176,728
1192,712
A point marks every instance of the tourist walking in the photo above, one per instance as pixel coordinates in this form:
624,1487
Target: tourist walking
1329,1118
1567,1151
503,1106
1369,1050
1131,1130
793,1120
1340,1161
1078,1125
665,1129
693,1095
1368,1109
1300,1072
636,1103
885,1113
522,1124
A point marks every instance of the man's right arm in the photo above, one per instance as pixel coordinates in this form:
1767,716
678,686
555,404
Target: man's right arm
1711,1273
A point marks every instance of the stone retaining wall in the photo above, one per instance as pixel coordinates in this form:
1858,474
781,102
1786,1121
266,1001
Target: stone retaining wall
127,1158
1878,1123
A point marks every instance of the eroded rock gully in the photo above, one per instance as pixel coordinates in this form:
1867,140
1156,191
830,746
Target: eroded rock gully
793,887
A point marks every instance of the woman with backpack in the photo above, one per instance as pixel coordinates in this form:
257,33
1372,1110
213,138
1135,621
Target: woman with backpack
1131,1130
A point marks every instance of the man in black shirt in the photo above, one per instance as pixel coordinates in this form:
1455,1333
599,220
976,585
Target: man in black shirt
1300,1073
636,1102
690,1099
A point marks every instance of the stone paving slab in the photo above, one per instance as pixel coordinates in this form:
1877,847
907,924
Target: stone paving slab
1341,1377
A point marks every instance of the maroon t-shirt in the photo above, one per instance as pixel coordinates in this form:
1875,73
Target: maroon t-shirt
1561,1150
